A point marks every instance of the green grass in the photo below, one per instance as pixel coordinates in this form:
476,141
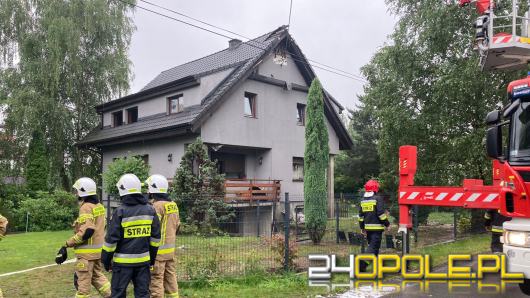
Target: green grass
28,250
56,281
440,218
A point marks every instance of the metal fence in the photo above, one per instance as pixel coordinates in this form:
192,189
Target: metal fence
272,236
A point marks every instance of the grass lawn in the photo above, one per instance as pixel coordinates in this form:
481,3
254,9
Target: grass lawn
440,218
56,281
28,250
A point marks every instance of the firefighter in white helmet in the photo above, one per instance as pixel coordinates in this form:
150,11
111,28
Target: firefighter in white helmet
132,240
87,242
164,277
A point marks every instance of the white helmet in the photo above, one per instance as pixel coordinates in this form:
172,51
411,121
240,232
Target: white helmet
157,184
129,184
85,187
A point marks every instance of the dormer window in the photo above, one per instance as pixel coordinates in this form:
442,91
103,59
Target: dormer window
175,104
117,118
132,115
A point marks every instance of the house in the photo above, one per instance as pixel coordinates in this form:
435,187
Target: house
247,103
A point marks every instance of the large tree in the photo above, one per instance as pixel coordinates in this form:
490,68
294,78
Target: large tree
426,88
37,164
316,159
58,59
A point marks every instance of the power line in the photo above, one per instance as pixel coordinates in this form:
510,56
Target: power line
337,72
323,66
250,39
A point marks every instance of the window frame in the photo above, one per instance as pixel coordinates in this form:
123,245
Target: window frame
129,114
252,97
298,161
179,98
300,107
114,115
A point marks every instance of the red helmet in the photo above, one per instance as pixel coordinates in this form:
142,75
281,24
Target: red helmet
371,185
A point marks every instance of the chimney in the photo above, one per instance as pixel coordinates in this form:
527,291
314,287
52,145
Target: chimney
233,43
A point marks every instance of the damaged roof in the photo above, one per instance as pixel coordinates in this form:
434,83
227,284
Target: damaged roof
243,58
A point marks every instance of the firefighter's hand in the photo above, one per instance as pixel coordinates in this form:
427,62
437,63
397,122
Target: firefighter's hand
488,228
387,229
61,256
363,231
107,266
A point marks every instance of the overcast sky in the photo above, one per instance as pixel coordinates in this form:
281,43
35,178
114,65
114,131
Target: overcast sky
340,33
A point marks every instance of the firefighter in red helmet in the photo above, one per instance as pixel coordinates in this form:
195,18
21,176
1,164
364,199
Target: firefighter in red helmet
373,218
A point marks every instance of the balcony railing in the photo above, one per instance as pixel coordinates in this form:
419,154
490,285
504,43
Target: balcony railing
252,190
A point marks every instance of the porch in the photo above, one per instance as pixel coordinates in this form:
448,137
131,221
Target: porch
251,190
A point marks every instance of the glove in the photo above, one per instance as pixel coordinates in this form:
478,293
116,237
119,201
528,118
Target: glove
62,255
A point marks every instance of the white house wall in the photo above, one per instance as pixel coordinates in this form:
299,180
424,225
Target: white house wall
274,127
157,150
158,105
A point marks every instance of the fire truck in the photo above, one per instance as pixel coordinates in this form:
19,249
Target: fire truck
503,42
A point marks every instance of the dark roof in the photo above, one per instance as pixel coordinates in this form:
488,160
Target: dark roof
224,59
244,59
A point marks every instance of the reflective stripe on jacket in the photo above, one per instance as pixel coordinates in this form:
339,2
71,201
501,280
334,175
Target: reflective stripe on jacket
168,213
133,235
91,216
372,215
494,219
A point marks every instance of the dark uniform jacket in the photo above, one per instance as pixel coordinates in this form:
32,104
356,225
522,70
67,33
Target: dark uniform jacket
494,219
372,216
133,236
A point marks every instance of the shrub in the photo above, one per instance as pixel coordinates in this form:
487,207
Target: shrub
464,222
47,211
199,191
120,166
277,244
37,164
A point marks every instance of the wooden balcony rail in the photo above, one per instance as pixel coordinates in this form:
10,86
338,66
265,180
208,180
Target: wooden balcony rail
252,190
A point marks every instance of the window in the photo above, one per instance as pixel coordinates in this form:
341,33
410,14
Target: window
175,104
250,105
117,118
298,169
132,115
300,114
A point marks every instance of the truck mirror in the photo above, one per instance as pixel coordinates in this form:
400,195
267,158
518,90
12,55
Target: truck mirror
493,117
494,142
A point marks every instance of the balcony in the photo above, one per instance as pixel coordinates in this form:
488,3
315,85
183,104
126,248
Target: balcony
250,190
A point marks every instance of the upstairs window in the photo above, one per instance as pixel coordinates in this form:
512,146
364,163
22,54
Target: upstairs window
300,114
175,104
117,118
132,115
250,105
144,158
298,169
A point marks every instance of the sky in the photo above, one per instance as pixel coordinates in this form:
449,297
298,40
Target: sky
344,34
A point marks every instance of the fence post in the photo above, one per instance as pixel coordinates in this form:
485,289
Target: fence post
337,220
257,218
455,223
416,222
286,227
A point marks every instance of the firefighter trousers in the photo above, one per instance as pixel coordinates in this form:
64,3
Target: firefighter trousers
496,245
140,277
164,280
90,273
374,241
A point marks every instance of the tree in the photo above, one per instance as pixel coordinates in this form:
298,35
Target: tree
121,166
316,159
426,88
355,167
199,190
37,164
58,59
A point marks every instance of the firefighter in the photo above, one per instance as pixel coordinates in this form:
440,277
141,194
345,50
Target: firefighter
493,223
87,242
132,240
481,24
164,277
3,229
372,218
